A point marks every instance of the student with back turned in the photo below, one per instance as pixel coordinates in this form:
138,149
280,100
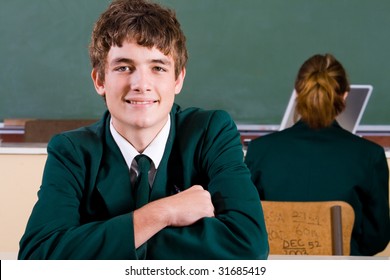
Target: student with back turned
199,203
317,160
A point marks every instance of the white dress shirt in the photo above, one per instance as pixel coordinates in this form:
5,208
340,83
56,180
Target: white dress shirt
155,151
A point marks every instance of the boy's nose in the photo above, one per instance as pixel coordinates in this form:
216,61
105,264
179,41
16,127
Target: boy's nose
140,81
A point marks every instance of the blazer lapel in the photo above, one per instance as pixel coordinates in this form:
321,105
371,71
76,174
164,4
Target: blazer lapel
113,179
168,177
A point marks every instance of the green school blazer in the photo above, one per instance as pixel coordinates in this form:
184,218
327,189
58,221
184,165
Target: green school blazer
85,203
301,164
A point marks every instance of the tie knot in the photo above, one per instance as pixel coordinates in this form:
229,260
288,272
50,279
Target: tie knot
143,162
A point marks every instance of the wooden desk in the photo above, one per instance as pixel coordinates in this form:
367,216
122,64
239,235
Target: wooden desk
21,169
14,255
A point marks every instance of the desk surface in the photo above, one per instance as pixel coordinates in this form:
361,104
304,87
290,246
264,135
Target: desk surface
14,255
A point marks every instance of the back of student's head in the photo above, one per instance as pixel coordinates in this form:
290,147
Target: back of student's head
146,23
321,84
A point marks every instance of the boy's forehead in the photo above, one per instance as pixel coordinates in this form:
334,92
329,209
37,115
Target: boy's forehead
133,50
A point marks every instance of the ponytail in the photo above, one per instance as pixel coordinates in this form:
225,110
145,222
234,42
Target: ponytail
320,85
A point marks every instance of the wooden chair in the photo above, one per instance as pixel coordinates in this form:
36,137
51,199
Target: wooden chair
309,228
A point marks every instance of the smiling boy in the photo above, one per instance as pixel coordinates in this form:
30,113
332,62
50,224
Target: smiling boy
201,203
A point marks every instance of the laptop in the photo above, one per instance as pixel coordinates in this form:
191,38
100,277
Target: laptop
349,119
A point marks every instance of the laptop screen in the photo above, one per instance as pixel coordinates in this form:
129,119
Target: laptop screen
349,119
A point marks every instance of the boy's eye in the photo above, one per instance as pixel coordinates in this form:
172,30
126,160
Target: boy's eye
123,68
159,69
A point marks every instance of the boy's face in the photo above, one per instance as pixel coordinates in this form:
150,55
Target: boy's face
139,87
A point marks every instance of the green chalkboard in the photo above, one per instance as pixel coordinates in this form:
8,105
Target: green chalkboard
244,54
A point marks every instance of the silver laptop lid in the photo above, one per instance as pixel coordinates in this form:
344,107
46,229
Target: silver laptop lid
349,119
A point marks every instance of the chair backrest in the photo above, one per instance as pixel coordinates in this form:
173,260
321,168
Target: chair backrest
309,228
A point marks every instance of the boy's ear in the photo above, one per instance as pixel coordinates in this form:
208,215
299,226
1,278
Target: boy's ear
98,82
180,81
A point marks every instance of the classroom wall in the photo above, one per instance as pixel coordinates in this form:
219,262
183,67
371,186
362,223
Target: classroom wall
243,54
21,177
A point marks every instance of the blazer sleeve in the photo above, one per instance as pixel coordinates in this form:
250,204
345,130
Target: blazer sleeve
55,230
375,231
238,230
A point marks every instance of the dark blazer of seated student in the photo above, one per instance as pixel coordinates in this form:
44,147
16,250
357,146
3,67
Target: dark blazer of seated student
200,203
317,160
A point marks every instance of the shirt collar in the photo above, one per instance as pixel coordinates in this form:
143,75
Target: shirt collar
154,151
